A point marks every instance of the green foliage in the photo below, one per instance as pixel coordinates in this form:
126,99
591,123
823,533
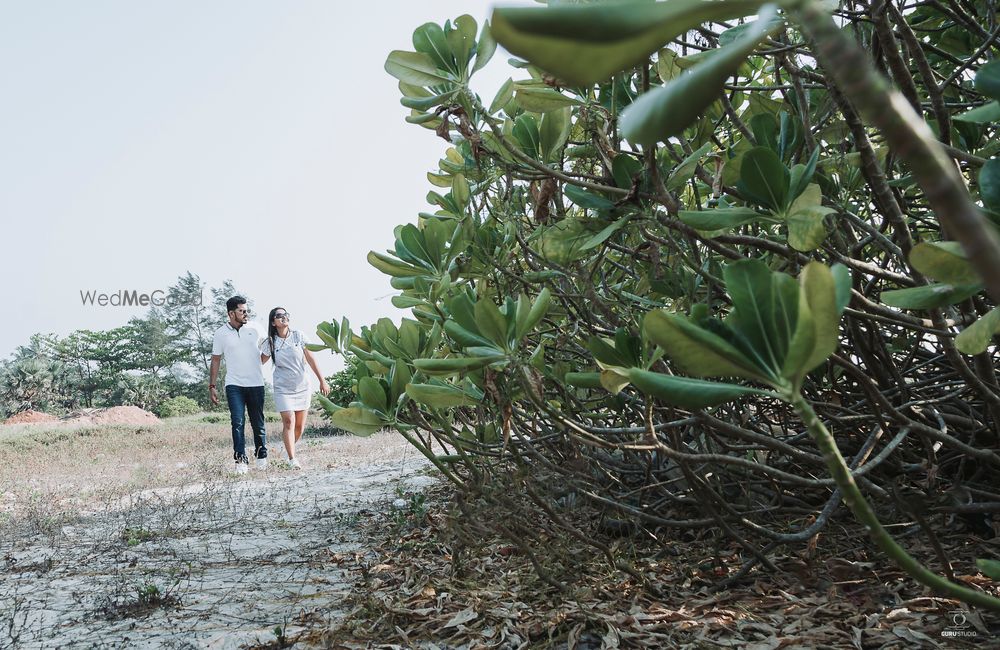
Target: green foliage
668,110
645,221
38,383
177,406
604,38
342,383
148,360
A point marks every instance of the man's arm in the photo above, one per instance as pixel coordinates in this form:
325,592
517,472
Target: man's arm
212,374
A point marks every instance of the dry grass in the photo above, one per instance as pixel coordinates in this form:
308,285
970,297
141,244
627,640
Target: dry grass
53,469
125,536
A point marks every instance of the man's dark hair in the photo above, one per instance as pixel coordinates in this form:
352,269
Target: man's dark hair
235,302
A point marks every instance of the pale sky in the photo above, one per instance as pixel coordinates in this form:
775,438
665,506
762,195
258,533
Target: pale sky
251,140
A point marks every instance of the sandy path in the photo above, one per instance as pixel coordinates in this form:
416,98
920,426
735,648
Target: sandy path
215,565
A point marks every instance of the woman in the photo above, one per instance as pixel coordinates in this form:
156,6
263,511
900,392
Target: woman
287,347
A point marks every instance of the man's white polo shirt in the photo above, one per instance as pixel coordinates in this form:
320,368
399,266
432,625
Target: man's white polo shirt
238,348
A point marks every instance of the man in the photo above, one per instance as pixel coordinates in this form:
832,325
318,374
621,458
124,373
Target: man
238,343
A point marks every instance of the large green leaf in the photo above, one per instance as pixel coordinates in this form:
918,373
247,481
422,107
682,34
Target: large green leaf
430,39
820,293
413,241
393,267
802,344
990,568
541,99
720,218
801,175
503,97
371,393
454,365
584,379
415,68
606,353
586,199
988,79
462,41
462,195
685,392
752,290
989,184
464,337
806,227
683,172
563,241
930,296
584,44
399,377
624,169
485,48
975,338
437,396
764,179
985,114
359,421
697,351
842,286
427,103
525,131
668,110
491,322
538,310
943,261
600,237
553,132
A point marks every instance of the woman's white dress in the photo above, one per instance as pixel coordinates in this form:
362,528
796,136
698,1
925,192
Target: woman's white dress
291,386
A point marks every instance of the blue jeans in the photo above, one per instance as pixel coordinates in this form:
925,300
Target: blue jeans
242,400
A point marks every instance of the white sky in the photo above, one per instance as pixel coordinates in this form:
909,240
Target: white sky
252,140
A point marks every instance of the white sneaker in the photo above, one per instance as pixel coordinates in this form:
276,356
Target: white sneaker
294,464
241,468
261,463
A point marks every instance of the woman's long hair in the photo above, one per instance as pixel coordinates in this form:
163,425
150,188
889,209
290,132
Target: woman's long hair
272,331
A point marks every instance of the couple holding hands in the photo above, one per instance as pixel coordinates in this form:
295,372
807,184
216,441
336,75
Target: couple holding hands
246,352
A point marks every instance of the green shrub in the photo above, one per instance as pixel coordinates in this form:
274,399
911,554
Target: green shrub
176,406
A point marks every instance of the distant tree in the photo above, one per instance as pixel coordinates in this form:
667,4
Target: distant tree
191,323
153,348
37,383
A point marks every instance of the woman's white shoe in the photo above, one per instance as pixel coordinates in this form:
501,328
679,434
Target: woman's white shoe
294,464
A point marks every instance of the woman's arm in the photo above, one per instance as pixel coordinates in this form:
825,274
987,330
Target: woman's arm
264,358
323,388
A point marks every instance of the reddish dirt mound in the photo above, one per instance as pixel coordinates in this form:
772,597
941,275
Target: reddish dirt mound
30,417
116,415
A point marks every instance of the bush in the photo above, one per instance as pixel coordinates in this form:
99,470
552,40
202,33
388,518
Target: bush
606,291
342,384
176,406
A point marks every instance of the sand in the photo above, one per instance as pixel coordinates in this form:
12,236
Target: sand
113,415
30,417
219,564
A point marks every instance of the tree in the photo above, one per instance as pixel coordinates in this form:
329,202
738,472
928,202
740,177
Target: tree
37,383
666,198
191,324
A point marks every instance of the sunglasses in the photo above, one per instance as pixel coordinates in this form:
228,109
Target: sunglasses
242,311
283,316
